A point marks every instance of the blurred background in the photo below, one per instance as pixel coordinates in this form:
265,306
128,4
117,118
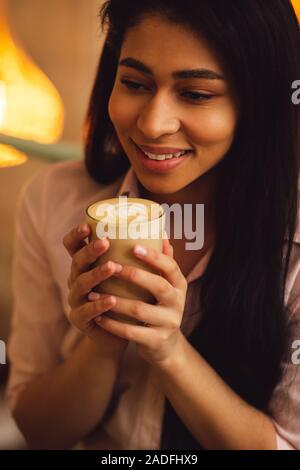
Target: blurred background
48,55
49,51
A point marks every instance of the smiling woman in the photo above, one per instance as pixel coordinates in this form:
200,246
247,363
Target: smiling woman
185,109
179,100
242,141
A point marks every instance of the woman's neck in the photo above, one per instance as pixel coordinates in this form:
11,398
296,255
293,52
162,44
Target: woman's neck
200,191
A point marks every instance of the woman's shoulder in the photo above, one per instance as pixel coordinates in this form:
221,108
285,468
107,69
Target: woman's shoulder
57,181
63,176
58,194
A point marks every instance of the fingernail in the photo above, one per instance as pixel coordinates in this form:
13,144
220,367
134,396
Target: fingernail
118,267
140,250
109,300
82,228
105,267
98,319
93,296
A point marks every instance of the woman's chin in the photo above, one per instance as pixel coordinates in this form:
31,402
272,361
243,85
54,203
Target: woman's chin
155,188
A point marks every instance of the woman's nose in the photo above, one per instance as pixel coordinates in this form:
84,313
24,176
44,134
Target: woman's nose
158,117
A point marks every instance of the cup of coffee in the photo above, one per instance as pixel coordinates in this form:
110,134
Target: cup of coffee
126,222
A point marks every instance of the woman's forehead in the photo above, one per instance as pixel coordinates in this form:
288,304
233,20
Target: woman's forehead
155,40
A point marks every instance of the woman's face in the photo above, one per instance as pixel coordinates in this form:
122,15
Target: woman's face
158,110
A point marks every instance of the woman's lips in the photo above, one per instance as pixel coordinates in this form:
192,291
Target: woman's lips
160,166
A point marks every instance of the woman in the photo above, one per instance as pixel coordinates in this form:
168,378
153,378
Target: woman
213,78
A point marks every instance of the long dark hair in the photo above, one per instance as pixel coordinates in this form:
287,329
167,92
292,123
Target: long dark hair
244,332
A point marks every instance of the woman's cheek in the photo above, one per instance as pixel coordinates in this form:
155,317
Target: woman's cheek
214,127
113,108
121,111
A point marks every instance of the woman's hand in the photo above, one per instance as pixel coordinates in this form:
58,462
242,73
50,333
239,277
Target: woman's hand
85,305
158,339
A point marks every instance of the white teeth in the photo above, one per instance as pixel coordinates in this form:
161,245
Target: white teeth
164,156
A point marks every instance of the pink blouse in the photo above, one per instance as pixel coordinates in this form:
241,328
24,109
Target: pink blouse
51,203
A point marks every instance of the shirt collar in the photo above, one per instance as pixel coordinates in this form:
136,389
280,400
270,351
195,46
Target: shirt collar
130,185
130,188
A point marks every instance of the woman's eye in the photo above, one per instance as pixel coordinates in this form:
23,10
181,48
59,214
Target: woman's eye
197,96
189,94
132,85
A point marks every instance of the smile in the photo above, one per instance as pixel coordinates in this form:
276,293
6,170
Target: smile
161,163
167,156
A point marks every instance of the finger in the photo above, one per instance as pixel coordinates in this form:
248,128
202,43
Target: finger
163,263
94,296
74,240
167,247
154,315
86,281
160,288
139,334
83,259
87,312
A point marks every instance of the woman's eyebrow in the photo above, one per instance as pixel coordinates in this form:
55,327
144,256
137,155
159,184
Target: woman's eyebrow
193,73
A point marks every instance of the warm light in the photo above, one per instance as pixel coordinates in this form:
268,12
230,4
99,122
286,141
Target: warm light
296,5
2,101
30,106
10,156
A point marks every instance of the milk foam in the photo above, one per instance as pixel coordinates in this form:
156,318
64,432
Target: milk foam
123,212
122,218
